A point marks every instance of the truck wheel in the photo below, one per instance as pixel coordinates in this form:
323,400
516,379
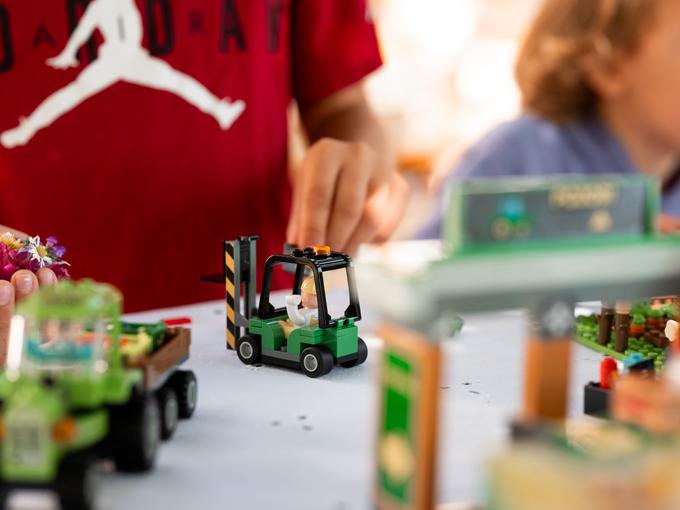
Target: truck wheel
76,483
249,349
136,432
316,361
186,387
169,409
362,354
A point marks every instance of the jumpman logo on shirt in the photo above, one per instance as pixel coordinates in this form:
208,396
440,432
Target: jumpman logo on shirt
121,58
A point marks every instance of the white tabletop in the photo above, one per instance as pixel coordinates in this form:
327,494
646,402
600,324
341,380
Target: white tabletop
268,438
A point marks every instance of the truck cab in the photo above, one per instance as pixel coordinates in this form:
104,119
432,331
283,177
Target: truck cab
71,395
63,372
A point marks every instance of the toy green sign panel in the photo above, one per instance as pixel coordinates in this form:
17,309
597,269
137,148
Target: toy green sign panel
407,421
397,434
500,212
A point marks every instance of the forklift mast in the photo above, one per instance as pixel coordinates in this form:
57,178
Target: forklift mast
239,276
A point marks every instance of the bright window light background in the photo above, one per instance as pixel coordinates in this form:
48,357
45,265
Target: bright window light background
448,74
448,78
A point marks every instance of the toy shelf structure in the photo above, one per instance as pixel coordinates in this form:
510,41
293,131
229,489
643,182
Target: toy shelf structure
417,300
540,244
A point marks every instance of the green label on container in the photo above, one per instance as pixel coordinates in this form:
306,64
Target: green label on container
398,430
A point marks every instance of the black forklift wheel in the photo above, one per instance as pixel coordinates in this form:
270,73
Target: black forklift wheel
168,407
76,482
316,361
136,434
186,388
249,349
362,354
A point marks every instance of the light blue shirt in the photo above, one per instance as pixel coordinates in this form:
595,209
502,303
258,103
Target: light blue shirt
533,146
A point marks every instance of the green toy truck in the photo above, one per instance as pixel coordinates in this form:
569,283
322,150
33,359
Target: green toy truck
70,395
315,347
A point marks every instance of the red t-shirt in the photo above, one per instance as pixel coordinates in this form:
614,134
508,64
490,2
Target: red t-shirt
170,134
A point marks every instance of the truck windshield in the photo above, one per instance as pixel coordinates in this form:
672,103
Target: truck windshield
57,345
337,292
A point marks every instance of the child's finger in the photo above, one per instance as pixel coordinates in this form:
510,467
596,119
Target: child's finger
398,196
365,232
319,174
349,203
6,312
16,233
25,283
46,277
382,214
293,230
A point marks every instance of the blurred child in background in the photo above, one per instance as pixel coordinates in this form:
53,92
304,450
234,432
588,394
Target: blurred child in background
600,84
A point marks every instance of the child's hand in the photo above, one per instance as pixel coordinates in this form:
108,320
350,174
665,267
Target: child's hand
345,194
15,233
23,284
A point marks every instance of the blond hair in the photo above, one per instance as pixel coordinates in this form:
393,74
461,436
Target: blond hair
309,285
550,70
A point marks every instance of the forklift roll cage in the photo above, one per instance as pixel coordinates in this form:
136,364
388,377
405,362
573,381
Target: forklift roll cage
239,278
268,337
317,265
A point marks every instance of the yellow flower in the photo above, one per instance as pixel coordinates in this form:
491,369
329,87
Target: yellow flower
10,241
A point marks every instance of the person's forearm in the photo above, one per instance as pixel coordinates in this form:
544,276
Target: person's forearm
353,124
349,118
346,190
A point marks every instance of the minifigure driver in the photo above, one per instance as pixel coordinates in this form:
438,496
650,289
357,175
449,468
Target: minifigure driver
309,313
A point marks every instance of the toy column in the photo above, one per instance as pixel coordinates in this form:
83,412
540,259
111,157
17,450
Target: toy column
548,362
407,421
605,322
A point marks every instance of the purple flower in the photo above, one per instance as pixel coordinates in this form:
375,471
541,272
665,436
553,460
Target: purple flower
32,255
7,264
53,248
26,259
61,270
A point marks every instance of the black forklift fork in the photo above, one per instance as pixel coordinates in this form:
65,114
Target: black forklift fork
239,276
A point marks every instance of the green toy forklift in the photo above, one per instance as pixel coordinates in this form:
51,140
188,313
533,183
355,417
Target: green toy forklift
80,385
270,337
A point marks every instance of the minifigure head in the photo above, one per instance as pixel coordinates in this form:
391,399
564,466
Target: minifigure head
309,293
50,330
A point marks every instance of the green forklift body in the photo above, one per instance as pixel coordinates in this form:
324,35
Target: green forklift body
341,340
334,333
